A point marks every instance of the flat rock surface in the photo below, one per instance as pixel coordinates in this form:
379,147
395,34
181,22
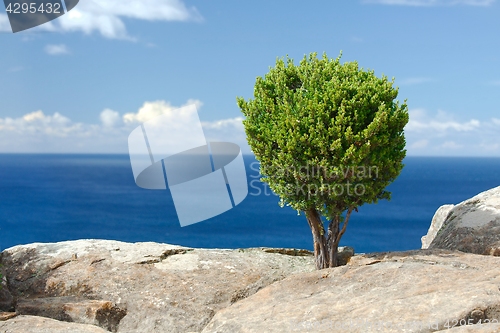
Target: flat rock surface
159,287
32,324
414,291
484,328
72,309
472,226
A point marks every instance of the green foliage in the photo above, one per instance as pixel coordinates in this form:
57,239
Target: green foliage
323,126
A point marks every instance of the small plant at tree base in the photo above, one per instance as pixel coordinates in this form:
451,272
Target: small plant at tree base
329,138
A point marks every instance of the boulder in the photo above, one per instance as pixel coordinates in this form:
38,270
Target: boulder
6,299
472,226
414,291
344,255
31,324
436,224
141,287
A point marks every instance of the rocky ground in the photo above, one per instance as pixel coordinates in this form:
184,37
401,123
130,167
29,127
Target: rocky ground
142,287
415,291
110,286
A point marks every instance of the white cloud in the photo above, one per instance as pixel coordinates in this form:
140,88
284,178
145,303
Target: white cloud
451,145
490,147
219,130
415,125
441,134
106,16
39,132
4,23
431,3
231,130
420,144
150,110
442,122
56,49
37,123
437,134
226,123
109,118
415,80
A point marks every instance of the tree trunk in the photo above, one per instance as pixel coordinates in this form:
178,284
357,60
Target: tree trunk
326,246
321,253
333,232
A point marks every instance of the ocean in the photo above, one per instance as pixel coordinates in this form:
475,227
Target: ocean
57,197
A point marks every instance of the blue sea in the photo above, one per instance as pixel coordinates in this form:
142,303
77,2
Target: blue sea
50,198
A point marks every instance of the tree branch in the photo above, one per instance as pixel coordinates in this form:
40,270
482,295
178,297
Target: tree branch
344,226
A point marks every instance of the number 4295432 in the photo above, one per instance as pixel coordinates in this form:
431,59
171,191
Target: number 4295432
33,8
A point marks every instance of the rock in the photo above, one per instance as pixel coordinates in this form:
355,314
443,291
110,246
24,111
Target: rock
436,224
7,315
160,287
415,291
31,324
479,328
71,309
6,299
472,226
344,255
288,252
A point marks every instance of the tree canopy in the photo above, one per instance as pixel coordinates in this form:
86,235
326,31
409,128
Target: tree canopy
329,137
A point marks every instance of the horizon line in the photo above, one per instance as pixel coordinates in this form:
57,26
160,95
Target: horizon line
244,154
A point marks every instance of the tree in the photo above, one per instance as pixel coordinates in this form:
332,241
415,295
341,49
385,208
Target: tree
329,138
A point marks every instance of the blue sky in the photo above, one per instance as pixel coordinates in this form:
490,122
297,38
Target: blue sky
81,83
